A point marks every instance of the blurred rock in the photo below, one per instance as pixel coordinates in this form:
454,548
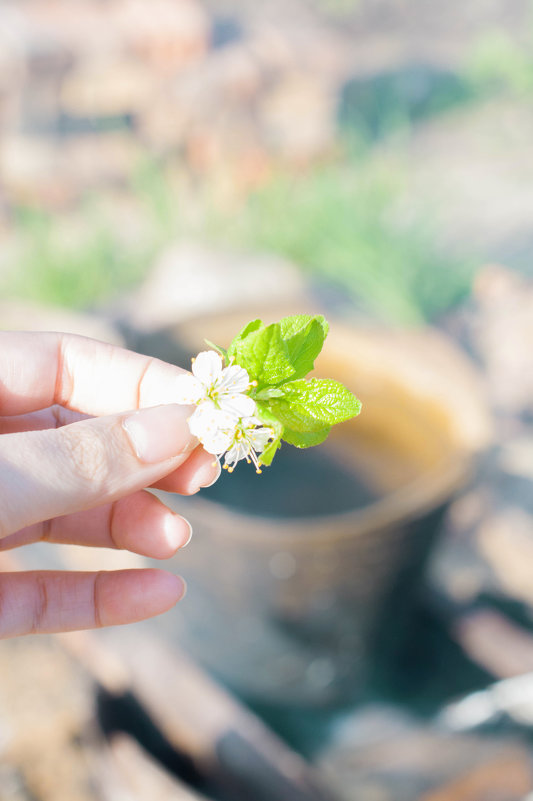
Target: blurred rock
106,87
24,316
381,754
476,165
167,35
32,173
88,162
45,706
12,71
49,27
502,333
213,97
505,540
298,116
191,280
495,643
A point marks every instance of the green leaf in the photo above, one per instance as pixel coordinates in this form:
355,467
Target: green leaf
269,452
291,326
304,336
222,351
269,392
313,405
249,328
305,439
269,419
264,354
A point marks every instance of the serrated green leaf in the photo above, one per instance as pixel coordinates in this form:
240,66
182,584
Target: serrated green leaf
222,351
264,355
291,326
249,328
313,405
304,336
305,439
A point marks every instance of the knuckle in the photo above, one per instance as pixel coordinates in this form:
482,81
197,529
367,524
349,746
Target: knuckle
40,605
86,453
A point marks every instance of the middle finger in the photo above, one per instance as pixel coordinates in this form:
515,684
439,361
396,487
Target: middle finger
139,523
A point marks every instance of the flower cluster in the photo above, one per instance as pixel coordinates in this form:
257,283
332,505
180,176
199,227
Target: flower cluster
224,420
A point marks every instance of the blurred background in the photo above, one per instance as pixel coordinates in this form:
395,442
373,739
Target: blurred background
359,622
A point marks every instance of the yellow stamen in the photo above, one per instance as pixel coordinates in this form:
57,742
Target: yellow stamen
258,471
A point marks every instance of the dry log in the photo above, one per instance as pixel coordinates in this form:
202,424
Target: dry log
143,776
218,744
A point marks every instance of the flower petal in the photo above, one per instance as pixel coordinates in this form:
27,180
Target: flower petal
207,419
233,379
237,405
218,443
236,453
258,439
207,367
189,390
214,428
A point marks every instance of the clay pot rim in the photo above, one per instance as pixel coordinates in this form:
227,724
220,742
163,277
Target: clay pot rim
396,508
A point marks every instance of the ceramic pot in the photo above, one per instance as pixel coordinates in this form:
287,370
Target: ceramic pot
291,573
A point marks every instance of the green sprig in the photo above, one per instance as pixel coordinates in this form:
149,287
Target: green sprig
278,358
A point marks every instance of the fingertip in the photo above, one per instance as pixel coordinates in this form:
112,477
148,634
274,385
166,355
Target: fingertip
205,476
177,533
209,475
196,472
133,595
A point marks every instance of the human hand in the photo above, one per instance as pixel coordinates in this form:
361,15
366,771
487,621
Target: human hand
73,465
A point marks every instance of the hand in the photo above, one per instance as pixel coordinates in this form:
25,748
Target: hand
73,464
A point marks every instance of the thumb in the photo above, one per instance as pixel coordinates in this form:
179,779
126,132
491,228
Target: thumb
44,474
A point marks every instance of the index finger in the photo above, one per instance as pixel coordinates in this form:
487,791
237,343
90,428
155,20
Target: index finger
40,370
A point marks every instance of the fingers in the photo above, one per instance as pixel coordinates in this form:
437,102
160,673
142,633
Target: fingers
139,523
53,601
198,471
44,474
53,417
42,369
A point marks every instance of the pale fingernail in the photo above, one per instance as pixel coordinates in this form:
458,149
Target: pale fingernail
178,531
208,475
180,586
159,433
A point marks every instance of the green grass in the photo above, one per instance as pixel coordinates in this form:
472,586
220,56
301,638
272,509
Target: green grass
344,223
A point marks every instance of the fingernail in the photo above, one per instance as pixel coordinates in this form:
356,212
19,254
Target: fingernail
208,475
178,531
159,433
183,587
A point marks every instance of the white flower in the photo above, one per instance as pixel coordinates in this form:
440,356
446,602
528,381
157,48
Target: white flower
249,440
224,387
224,421
214,427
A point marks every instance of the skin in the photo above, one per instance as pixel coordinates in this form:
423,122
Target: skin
70,472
